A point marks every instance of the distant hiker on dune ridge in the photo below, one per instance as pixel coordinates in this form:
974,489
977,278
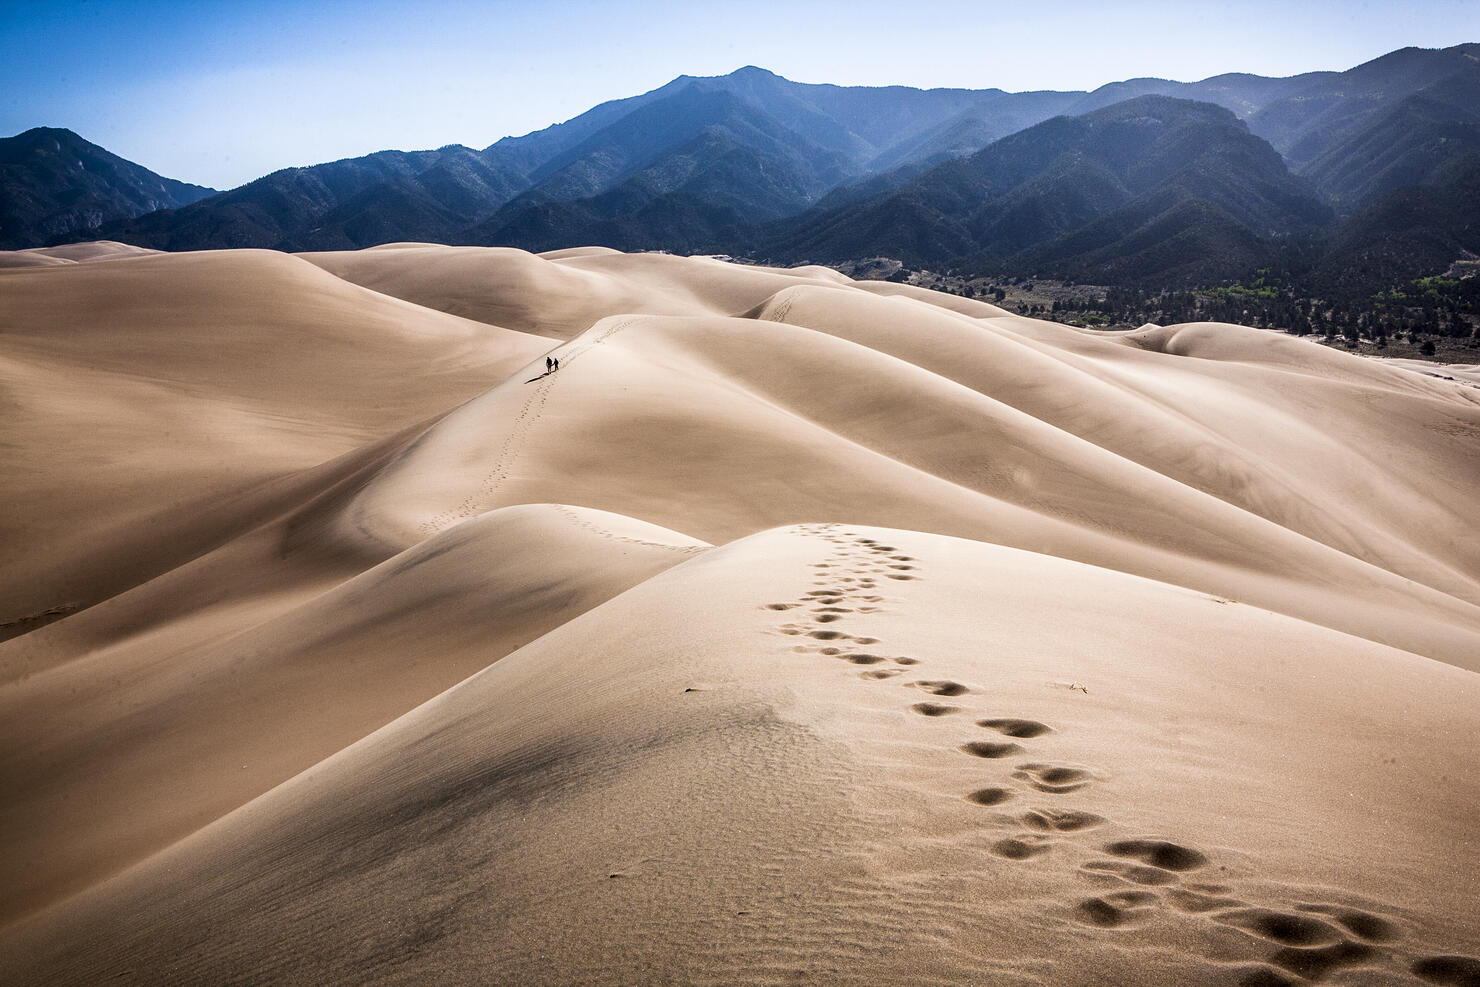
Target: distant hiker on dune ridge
547,364
557,363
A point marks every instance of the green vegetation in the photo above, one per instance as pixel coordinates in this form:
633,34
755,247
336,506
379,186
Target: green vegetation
1436,317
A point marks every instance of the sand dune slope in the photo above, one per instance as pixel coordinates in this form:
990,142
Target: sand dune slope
29,258
563,292
72,253
92,251
855,755
158,736
144,392
722,426
1156,663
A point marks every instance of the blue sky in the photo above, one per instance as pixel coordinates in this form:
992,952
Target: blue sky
223,92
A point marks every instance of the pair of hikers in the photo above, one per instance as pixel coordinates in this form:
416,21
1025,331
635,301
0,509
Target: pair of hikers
552,364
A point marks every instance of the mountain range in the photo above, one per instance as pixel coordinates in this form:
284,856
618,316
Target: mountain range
54,184
1140,181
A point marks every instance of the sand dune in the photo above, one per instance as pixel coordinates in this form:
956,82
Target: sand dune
1029,654
182,382
921,794
93,251
561,293
220,719
30,258
72,253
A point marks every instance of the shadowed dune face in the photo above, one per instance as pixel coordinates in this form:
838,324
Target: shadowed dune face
157,401
1173,631
241,714
644,780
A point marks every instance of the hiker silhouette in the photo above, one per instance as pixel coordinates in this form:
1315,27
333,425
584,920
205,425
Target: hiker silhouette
547,364
557,363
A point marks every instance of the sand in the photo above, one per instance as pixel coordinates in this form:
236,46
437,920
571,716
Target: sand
795,630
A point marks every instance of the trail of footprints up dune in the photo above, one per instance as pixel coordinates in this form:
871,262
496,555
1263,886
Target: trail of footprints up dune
1291,942
517,437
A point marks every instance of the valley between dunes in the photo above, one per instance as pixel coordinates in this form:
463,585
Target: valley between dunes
796,629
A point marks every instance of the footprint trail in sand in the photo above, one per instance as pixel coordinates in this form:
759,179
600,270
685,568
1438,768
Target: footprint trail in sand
1135,878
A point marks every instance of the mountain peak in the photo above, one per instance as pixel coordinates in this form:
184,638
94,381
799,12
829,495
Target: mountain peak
753,72
60,135
1167,109
55,183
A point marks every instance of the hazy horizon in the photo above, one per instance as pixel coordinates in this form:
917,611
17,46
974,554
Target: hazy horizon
218,95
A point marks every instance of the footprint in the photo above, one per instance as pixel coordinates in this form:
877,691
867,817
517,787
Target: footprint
902,558
1058,779
990,749
1014,848
827,618
904,660
1016,728
989,796
1452,971
1159,853
899,575
1063,820
1134,873
863,658
881,673
866,640
942,688
935,709
1362,924
1197,902
781,606
1313,964
827,635
1114,910
831,609
1280,927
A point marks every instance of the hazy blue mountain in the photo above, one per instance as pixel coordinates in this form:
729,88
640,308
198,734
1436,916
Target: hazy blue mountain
1411,232
54,183
1131,182
1303,116
356,202
645,167
1412,142
1082,196
672,173
1308,121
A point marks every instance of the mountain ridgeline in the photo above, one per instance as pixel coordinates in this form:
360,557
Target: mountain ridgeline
54,184
1152,186
1146,181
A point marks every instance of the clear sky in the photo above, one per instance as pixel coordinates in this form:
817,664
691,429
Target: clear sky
223,91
